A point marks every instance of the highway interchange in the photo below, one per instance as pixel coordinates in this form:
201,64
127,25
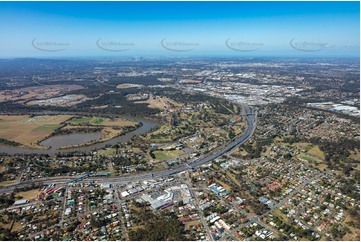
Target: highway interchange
251,118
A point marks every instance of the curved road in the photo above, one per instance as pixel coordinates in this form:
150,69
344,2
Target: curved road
251,125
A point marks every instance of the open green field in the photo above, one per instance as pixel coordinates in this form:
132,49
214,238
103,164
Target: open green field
161,135
101,121
107,151
28,195
166,154
85,120
322,166
309,158
302,145
312,150
47,127
28,130
315,151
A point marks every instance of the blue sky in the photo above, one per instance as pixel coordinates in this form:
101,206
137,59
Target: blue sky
42,29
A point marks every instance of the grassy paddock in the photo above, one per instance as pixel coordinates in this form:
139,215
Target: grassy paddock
166,154
29,130
28,195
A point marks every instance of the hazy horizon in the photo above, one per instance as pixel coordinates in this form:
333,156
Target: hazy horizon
232,29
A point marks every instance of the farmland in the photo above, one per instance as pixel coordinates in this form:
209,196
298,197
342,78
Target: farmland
30,130
100,121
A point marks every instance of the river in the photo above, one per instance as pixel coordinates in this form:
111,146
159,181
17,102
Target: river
55,142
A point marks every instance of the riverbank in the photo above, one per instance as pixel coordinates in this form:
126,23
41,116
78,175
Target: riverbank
147,126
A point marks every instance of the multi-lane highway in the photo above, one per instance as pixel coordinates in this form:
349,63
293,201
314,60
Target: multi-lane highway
251,118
